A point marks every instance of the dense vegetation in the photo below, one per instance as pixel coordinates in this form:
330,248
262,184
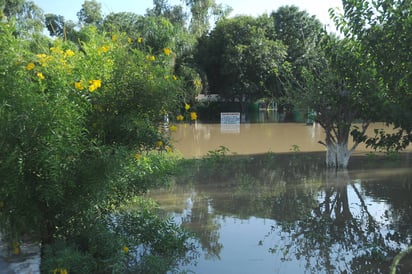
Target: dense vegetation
82,136
83,110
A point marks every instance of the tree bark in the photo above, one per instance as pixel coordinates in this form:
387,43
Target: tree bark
337,155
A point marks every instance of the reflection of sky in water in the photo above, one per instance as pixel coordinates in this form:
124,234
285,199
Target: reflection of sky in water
247,242
245,249
377,201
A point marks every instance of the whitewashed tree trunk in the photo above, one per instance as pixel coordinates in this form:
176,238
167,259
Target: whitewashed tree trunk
336,143
337,155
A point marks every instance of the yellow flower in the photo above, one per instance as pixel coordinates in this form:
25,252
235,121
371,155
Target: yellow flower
78,85
129,40
125,249
172,128
159,144
167,51
103,49
179,117
174,77
94,84
16,248
193,116
60,271
197,83
137,156
30,66
40,75
187,106
41,56
43,59
69,53
139,40
150,57
97,83
56,50
169,149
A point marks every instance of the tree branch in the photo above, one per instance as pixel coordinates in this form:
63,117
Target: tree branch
398,258
365,126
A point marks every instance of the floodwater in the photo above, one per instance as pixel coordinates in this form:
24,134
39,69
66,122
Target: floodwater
196,140
265,212
286,214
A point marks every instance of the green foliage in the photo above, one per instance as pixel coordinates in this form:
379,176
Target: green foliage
219,161
383,28
72,119
125,222
202,11
239,59
341,89
295,148
157,243
61,255
90,13
26,14
299,31
140,173
218,153
156,32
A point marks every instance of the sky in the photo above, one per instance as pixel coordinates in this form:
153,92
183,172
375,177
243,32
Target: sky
69,9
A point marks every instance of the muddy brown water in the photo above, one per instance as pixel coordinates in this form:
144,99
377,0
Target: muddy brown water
284,212
196,140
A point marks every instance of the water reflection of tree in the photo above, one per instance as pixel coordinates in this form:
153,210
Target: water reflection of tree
322,217
336,236
267,186
201,222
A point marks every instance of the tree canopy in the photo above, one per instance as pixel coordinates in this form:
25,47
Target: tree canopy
240,61
341,89
383,28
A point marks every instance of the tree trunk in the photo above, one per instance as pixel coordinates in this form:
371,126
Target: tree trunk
337,155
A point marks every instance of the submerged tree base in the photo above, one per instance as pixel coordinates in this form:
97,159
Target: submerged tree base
337,156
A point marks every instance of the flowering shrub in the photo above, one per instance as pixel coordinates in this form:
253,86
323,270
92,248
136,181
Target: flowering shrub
72,118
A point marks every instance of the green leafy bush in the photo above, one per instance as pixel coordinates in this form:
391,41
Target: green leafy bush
73,117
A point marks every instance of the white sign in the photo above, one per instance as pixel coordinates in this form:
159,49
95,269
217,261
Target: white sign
230,118
230,122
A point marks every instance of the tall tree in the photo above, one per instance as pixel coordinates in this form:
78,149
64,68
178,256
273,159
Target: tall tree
300,32
123,22
10,8
341,89
155,33
175,14
202,12
90,13
59,27
383,29
296,29
28,16
239,60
